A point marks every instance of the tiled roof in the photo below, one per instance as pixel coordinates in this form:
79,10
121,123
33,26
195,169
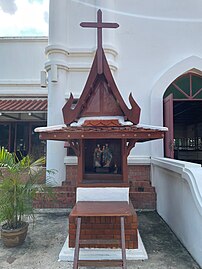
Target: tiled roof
23,104
114,132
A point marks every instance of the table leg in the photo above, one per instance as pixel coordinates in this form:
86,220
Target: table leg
123,244
76,250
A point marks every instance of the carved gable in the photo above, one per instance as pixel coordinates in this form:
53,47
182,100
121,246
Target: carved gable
102,102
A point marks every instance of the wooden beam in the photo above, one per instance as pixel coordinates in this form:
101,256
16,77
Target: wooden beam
138,136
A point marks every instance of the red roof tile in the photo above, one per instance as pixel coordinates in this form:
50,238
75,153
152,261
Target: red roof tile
22,104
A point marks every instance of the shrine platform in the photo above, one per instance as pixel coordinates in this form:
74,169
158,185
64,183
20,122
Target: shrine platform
67,253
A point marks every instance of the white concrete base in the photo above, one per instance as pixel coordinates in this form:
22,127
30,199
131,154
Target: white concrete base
66,254
101,194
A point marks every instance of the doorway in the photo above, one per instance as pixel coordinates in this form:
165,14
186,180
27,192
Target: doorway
182,115
19,137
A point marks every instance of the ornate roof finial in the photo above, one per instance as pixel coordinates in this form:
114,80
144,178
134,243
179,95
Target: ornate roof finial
99,25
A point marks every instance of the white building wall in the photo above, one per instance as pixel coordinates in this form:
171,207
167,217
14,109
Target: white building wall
22,59
153,38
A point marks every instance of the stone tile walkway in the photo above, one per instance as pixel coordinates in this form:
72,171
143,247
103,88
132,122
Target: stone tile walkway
45,240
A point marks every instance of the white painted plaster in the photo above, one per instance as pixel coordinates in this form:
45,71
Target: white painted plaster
67,253
146,126
102,194
58,36
49,128
23,77
77,60
70,160
139,160
179,200
55,149
83,119
132,160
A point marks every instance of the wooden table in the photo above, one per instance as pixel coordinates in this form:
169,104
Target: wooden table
100,209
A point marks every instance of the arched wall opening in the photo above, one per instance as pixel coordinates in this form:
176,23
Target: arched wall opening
182,115
193,64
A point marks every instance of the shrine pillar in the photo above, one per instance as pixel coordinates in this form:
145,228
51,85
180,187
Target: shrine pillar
57,70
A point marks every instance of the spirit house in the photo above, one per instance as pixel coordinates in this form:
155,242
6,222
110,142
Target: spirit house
101,130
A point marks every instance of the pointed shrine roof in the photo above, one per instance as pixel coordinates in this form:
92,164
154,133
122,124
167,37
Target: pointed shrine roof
100,96
101,111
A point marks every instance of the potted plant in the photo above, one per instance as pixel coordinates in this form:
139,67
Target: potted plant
18,188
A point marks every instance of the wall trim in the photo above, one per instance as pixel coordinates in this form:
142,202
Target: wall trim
145,160
191,172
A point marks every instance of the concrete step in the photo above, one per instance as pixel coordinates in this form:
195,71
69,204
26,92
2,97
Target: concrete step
141,186
143,200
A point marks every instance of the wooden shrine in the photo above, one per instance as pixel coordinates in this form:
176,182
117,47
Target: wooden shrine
101,130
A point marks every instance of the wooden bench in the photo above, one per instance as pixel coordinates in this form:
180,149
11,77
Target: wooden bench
100,209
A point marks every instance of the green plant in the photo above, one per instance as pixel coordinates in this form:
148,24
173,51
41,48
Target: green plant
18,187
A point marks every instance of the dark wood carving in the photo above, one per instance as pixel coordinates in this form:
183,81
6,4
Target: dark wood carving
100,96
130,144
74,144
98,88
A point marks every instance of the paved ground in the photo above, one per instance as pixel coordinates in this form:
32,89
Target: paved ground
45,241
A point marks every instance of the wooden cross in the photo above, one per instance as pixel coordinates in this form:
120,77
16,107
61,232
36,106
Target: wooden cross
99,25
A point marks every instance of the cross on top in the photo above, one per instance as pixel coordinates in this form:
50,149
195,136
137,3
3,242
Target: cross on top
99,25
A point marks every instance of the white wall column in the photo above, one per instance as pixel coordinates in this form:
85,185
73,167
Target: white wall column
56,66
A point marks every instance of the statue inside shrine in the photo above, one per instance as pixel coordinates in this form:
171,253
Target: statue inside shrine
106,156
97,156
102,158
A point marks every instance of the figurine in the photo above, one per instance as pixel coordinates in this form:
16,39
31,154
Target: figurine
106,156
115,169
97,157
